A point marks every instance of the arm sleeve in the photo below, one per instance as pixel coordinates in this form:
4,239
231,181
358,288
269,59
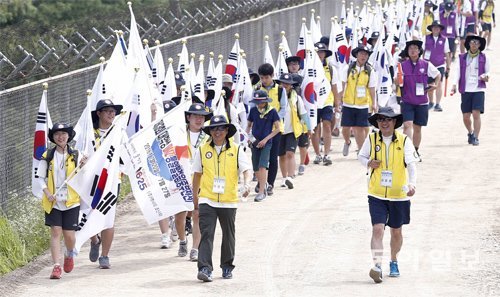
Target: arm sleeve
197,162
364,153
456,71
412,173
373,79
243,161
432,71
283,100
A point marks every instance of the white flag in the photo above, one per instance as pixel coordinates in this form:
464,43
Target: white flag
40,142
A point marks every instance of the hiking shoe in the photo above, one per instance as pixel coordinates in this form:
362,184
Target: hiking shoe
475,141
269,190
94,250
183,248
302,168
227,273
394,269
327,161
470,138
438,108
204,274
345,150
318,159
104,262
431,105
259,197
193,255
165,241
56,272
288,183
189,227
69,263
376,274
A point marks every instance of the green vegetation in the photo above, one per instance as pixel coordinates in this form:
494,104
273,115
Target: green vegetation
12,253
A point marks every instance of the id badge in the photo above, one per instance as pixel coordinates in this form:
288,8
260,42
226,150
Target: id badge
473,79
419,89
427,55
386,180
361,91
449,29
219,185
62,194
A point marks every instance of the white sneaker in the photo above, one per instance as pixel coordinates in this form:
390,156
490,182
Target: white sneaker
345,150
174,236
193,255
318,159
165,241
288,183
283,182
302,168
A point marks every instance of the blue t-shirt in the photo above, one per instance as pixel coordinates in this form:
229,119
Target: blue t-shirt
262,127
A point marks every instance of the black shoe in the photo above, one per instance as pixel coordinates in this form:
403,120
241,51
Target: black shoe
189,227
470,138
270,190
227,273
204,274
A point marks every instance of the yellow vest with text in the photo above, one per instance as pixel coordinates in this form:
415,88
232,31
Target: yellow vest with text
355,79
223,165
73,198
275,97
395,164
296,124
488,13
330,99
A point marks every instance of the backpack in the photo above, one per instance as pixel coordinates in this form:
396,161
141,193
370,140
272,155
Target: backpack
50,156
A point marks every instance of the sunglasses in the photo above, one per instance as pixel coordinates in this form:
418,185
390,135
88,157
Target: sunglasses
381,120
220,128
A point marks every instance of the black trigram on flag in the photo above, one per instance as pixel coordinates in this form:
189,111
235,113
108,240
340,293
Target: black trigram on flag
103,90
83,220
339,37
311,72
197,88
111,152
301,40
154,72
136,99
285,54
212,81
236,78
322,91
163,89
312,113
233,56
41,118
383,91
182,68
106,203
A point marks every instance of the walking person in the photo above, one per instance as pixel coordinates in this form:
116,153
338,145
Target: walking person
217,166
390,158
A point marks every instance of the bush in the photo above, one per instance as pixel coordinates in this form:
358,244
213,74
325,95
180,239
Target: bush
12,252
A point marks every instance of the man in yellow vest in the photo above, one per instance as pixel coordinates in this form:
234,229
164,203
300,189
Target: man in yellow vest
391,159
487,18
217,166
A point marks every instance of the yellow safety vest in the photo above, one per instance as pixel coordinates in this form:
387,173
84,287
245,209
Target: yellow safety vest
395,164
223,165
296,124
330,99
73,197
355,79
427,21
487,13
275,97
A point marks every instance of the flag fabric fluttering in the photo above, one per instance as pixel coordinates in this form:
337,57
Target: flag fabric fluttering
233,59
199,86
268,56
40,142
168,89
183,58
281,66
159,63
84,129
284,44
301,46
313,27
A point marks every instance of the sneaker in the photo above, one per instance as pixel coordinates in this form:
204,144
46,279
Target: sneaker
345,150
431,105
104,262
193,255
419,157
302,168
288,183
94,250
270,191
438,108
257,188
470,138
259,197
227,273
189,227
394,269
174,236
204,274
475,141
254,178
165,241
335,132
327,161
318,159
69,263
56,272
283,182
183,248
376,274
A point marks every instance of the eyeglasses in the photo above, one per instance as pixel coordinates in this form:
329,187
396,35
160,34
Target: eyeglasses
220,128
380,120
474,41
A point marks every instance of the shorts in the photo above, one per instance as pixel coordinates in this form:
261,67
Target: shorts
418,114
486,27
472,101
303,140
288,143
471,28
354,117
325,114
67,219
452,45
260,157
441,70
390,213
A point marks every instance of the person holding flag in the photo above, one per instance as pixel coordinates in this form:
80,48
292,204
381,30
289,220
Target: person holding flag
359,82
102,119
60,202
217,166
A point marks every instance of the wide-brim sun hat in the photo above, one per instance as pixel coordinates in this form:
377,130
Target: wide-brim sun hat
387,112
293,59
360,48
418,43
434,24
286,78
199,109
103,103
323,47
482,41
260,96
61,127
220,121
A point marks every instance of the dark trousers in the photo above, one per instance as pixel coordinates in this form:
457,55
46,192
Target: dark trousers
208,221
273,160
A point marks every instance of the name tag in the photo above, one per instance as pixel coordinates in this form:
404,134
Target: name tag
419,89
472,79
62,194
219,185
386,180
427,55
449,29
360,92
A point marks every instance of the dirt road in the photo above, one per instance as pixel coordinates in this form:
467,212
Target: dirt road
314,240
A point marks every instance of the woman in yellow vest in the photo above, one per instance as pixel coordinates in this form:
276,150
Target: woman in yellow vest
391,159
60,202
216,166
487,18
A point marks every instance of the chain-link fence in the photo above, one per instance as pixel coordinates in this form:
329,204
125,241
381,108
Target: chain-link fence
67,99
